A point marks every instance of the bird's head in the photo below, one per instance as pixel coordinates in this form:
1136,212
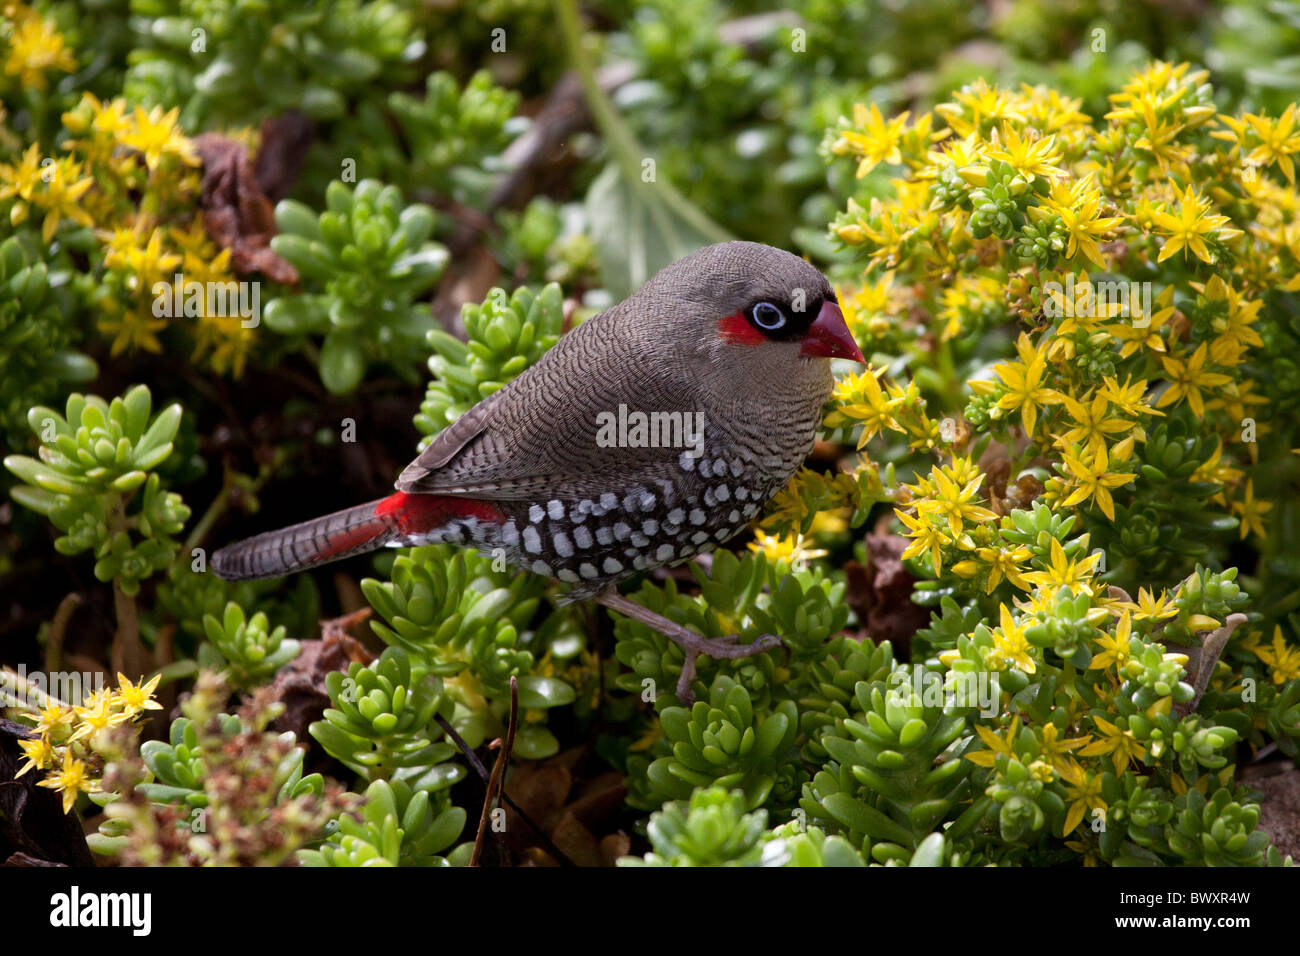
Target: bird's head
752,307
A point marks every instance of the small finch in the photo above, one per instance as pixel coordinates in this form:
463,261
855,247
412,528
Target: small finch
649,434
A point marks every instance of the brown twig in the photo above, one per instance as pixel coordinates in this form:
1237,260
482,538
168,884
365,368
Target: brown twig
566,111
1206,657
496,783
338,627
477,766
59,630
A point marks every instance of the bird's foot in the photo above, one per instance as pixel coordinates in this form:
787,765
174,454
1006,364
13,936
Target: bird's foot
693,644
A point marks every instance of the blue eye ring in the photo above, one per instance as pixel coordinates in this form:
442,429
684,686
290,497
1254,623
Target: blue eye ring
767,316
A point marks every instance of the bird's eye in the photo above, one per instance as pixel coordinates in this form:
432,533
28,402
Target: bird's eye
768,316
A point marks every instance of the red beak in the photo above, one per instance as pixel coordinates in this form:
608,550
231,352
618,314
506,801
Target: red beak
829,336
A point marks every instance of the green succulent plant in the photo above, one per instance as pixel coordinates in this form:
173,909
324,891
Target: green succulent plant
364,262
450,131
897,771
381,723
220,790
1217,830
217,59
36,361
713,829
450,612
94,459
248,649
721,741
504,335
396,826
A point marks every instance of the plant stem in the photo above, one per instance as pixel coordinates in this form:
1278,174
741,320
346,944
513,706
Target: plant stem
58,630
126,655
220,502
497,782
622,143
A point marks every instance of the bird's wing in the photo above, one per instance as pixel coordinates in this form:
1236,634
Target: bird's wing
537,436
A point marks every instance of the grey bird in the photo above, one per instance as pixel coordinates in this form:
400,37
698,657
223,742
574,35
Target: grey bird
649,434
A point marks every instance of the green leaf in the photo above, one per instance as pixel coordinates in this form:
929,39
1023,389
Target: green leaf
637,233
538,691
341,364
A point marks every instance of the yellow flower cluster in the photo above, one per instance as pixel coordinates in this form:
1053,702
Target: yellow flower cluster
1164,188
67,746
131,176
31,48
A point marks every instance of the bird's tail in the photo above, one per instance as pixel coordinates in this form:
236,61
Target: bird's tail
398,519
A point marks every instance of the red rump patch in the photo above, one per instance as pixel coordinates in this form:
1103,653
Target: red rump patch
737,330
417,513
350,540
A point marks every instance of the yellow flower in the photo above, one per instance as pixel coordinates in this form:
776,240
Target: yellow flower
1190,225
1234,399
38,752
1079,207
156,135
1062,572
968,295
24,179
1278,139
789,548
1095,481
1282,659
35,47
926,538
1003,746
1115,648
1004,563
1023,382
1187,378
955,502
1091,307
109,118
1082,790
130,328
1161,86
62,197
99,712
1252,512
858,400
55,721
69,781
1031,158
1149,337
1128,398
1056,749
150,262
1240,314
868,310
137,698
978,108
1120,744
1149,608
1093,422
878,141
1010,646
1046,110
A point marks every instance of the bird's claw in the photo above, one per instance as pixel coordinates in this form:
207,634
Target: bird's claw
728,647
692,644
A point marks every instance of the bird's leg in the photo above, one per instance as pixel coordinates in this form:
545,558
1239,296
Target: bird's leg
690,642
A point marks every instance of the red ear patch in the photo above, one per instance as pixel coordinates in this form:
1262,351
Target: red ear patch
737,330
